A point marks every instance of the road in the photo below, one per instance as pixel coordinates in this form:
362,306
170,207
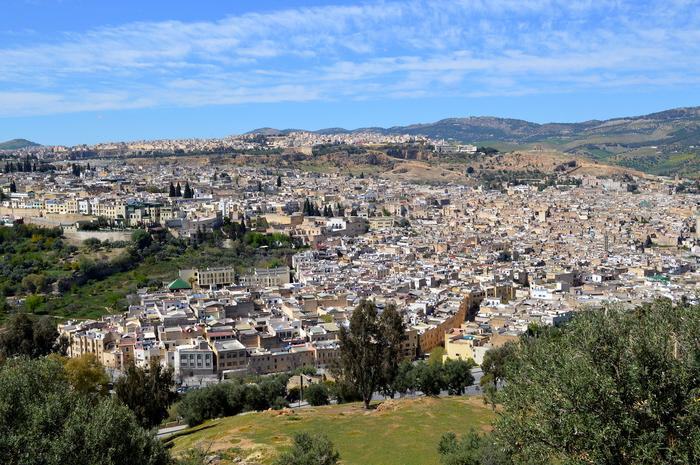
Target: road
169,431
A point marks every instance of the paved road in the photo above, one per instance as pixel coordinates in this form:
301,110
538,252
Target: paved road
165,432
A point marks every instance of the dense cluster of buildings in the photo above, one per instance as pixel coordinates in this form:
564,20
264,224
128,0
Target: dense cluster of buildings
468,268
258,141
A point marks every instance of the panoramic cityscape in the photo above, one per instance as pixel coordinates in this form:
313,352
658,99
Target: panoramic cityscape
357,233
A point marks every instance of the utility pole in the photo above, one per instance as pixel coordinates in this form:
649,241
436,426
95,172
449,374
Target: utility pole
301,388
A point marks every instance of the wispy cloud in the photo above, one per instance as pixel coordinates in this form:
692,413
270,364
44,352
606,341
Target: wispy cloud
383,49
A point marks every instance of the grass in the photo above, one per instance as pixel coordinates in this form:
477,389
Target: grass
404,432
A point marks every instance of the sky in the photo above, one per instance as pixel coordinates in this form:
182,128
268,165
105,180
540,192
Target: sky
79,71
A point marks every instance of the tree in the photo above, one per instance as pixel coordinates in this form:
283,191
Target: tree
316,394
171,191
147,392
428,378
44,422
394,330
188,191
35,283
436,355
46,339
178,190
363,349
210,402
309,449
33,302
279,181
232,398
457,376
141,239
13,186
31,338
404,380
86,375
494,367
612,387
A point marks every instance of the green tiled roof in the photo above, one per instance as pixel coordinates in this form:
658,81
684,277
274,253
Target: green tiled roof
179,283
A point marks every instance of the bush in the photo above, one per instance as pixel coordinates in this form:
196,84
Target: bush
309,449
316,394
232,398
344,392
203,404
294,395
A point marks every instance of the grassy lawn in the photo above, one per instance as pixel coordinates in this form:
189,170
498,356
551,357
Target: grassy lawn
404,432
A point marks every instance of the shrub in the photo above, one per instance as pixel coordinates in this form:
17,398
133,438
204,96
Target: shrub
316,394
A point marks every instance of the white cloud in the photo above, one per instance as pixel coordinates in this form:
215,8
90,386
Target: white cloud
400,49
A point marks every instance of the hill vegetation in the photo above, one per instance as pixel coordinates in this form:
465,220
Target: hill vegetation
663,143
16,144
42,274
612,387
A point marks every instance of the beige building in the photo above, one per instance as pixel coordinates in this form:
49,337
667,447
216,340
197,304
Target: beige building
209,277
266,277
230,355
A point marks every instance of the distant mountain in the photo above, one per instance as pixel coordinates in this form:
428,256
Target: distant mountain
16,144
272,131
665,143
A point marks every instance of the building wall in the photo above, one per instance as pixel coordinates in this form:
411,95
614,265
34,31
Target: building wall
434,337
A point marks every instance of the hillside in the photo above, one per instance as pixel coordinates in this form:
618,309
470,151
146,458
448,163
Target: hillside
16,144
663,143
404,432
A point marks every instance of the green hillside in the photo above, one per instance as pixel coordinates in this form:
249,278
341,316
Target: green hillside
402,432
16,144
663,143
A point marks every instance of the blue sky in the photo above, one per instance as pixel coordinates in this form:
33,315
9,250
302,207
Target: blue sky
79,71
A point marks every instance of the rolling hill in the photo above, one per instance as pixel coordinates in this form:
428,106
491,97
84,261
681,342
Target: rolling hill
16,144
663,143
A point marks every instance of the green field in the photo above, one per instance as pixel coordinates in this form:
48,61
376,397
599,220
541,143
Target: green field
404,432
